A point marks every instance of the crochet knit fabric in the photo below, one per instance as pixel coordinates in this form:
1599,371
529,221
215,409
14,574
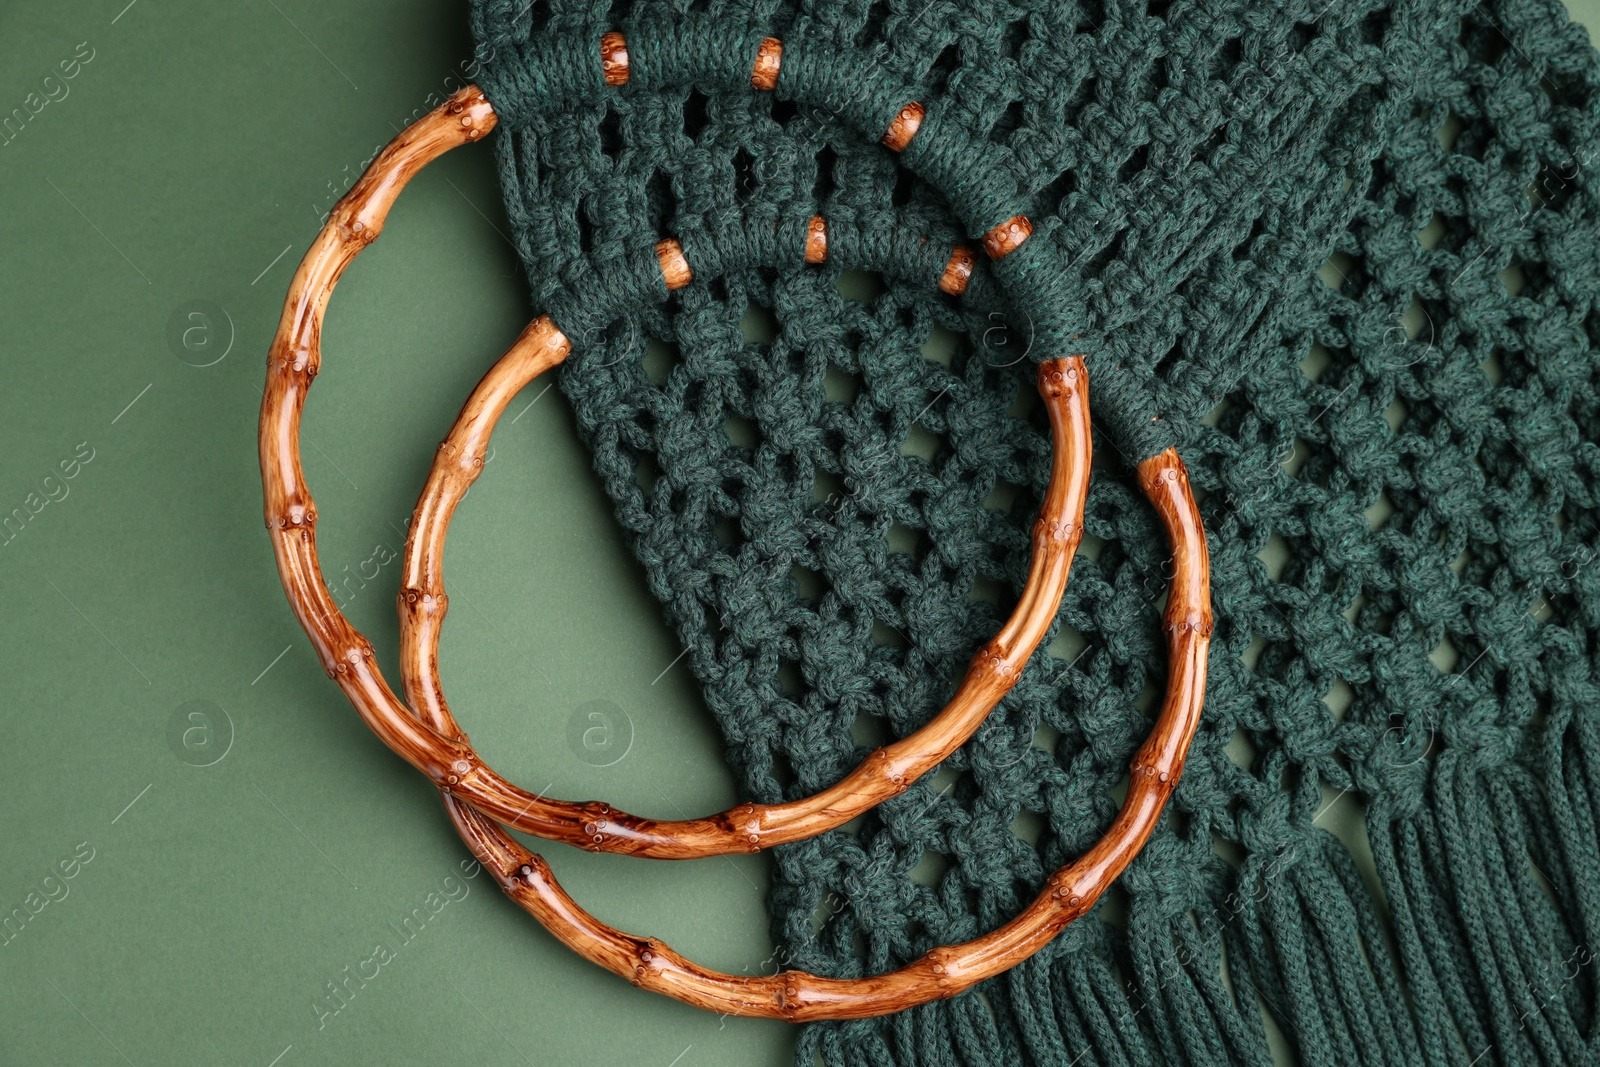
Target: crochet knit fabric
1347,253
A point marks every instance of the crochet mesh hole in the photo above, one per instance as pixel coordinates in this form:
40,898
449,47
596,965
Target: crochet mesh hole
1002,495
839,385
905,540
1134,165
660,357
860,286
828,489
808,584
663,204
1335,271
1010,121
1513,279
1029,826
1068,646
1431,234
870,732
930,869
887,635
1053,196
791,684
585,227
610,132
742,432
695,115
824,185
758,324
744,172
646,471
921,443
1339,698
942,69
1449,131
1275,556
987,590
1240,749
905,188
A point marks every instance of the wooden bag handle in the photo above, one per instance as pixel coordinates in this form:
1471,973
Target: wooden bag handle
885,773
798,996
348,658
443,753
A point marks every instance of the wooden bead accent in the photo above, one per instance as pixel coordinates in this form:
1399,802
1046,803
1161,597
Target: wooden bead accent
1007,237
957,272
769,57
817,240
674,268
904,127
614,58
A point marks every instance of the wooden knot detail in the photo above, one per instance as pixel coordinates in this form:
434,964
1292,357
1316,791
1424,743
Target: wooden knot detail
455,772
1164,476
1007,237
889,769
614,58
904,127
1055,531
674,267
769,57
958,271
355,231
1060,378
1139,769
298,516
788,997
816,240
1065,893
647,953
299,361
994,658
946,968
426,602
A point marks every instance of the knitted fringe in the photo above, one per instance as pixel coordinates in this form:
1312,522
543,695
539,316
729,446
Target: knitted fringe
1457,954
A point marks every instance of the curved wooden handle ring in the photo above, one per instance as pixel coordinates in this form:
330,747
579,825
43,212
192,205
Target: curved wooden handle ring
797,996
886,773
444,754
347,657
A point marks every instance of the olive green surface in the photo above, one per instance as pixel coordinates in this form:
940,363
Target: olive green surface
206,857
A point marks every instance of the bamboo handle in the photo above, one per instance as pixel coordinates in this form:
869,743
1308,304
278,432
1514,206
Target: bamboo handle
886,773
797,996
347,656
437,746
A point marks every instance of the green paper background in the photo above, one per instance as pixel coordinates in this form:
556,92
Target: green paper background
242,860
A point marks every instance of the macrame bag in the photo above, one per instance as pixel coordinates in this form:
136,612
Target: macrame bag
1342,259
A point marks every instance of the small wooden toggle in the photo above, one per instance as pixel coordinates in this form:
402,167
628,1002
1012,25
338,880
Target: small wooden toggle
769,57
614,58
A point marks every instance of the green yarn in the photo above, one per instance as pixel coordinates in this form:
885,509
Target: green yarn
1395,452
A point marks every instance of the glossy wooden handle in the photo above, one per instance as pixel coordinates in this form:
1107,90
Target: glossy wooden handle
441,751
347,656
886,773
797,996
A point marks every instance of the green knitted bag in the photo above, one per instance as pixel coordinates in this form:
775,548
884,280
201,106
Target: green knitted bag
1395,450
